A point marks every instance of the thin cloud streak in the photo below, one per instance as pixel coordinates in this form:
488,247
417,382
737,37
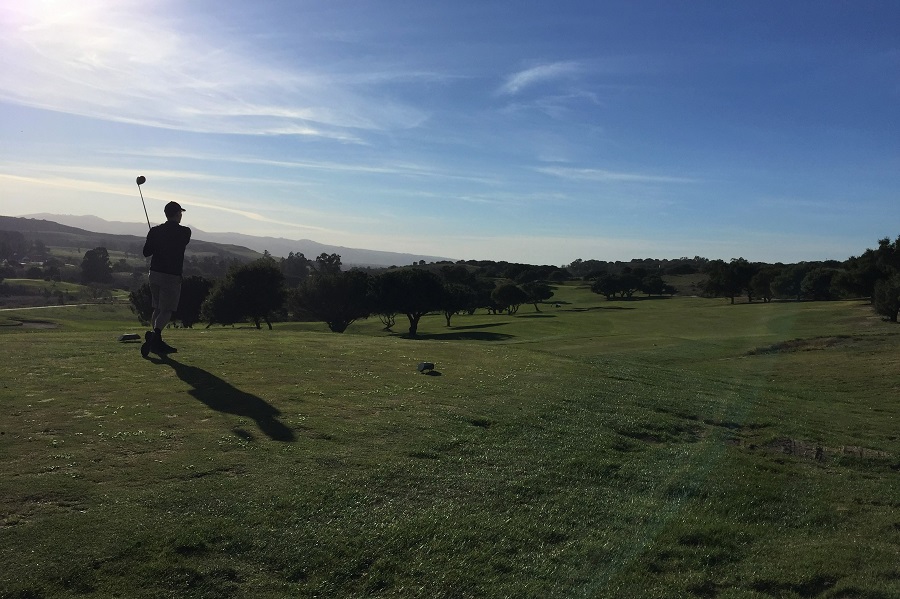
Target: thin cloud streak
116,64
517,82
95,187
47,173
602,175
411,170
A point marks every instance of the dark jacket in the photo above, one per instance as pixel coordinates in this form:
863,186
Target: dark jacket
166,243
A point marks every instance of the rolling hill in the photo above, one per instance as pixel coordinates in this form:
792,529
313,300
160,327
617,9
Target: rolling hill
277,246
55,234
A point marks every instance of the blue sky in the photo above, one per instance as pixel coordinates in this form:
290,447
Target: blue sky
533,132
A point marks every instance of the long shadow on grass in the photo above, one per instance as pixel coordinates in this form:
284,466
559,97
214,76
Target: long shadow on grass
460,335
592,308
481,326
222,396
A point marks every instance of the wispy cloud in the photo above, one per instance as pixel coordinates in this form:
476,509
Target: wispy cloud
406,169
805,204
517,82
602,175
75,185
120,61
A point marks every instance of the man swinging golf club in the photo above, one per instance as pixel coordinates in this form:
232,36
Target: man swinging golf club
166,244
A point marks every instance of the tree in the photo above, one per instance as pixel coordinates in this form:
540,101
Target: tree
194,291
730,279
13,246
480,285
630,281
886,290
887,256
537,291
816,285
252,291
261,288
96,267
860,275
527,273
335,299
483,288
295,268
328,264
457,273
388,319
457,298
623,285
586,268
886,297
220,306
209,267
411,291
140,301
761,283
787,283
509,296
606,285
653,284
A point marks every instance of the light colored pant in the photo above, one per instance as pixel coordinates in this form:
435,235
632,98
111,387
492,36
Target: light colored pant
165,290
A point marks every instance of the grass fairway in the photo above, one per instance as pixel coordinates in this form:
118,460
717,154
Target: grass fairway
655,448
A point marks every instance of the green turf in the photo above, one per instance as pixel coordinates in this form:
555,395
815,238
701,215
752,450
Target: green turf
52,286
654,448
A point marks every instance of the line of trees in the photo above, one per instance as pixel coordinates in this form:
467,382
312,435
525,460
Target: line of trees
629,282
874,274
319,288
880,268
267,290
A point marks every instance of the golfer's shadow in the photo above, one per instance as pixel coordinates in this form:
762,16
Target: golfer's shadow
224,397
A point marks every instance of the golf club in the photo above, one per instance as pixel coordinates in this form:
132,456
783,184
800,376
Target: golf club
140,181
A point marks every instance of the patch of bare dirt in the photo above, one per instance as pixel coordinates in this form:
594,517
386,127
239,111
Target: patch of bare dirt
819,452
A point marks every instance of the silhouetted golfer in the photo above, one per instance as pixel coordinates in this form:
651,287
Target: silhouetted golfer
166,244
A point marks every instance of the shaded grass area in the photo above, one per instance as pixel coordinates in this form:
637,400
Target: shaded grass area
601,453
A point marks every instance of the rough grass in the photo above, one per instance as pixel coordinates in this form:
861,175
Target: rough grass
601,449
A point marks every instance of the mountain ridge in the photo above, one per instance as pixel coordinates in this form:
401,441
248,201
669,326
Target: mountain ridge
276,246
57,234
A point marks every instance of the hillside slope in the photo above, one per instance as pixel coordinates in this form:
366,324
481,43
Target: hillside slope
59,235
277,246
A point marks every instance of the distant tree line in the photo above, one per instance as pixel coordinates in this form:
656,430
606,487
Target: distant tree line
875,274
223,290
593,269
297,288
629,282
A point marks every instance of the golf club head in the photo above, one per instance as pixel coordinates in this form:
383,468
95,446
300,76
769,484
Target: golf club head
141,180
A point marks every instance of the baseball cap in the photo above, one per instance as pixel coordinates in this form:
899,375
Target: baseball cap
173,208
